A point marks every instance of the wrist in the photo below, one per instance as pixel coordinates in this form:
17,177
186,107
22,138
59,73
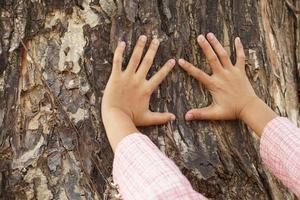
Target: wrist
118,124
252,103
113,112
257,114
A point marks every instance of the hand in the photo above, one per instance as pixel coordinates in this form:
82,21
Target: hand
228,85
127,94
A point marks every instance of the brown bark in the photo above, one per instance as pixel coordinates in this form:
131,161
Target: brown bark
55,59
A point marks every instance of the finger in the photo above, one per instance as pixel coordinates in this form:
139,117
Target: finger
195,72
240,54
137,54
156,118
161,74
210,112
148,59
210,54
221,52
118,57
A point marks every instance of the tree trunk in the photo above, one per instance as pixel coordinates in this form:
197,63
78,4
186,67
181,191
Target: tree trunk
56,58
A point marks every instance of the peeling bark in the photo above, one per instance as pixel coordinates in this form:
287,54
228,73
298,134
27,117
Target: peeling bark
55,59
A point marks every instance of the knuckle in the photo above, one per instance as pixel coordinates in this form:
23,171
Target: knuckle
242,56
167,68
152,48
135,84
117,60
168,65
140,45
223,54
135,60
197,115
194,72
148,91
190,71
216,87
215,84
213,41
212,59
147,61
162,73
206,46
189,66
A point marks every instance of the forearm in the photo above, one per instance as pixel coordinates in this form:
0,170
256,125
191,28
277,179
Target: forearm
257,114
280,151
117,125
142,171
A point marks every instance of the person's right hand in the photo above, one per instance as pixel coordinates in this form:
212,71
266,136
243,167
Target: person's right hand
228,85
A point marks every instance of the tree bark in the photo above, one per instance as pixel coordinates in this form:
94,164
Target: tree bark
56,57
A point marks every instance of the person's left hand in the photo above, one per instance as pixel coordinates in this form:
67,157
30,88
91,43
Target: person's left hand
128,92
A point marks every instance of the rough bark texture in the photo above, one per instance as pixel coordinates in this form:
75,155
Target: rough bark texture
55,59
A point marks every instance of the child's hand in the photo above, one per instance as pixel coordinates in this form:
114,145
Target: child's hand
228,85
128,92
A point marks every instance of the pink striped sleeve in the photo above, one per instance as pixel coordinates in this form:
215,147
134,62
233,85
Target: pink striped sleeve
142,171
280,151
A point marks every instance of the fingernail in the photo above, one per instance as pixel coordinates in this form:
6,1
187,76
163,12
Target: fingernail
173,117
155,41
210,36
172,61
189,116
181,61
201,38
143,38
238,39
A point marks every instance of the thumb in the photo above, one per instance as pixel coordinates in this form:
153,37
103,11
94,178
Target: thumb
210,112
156,118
